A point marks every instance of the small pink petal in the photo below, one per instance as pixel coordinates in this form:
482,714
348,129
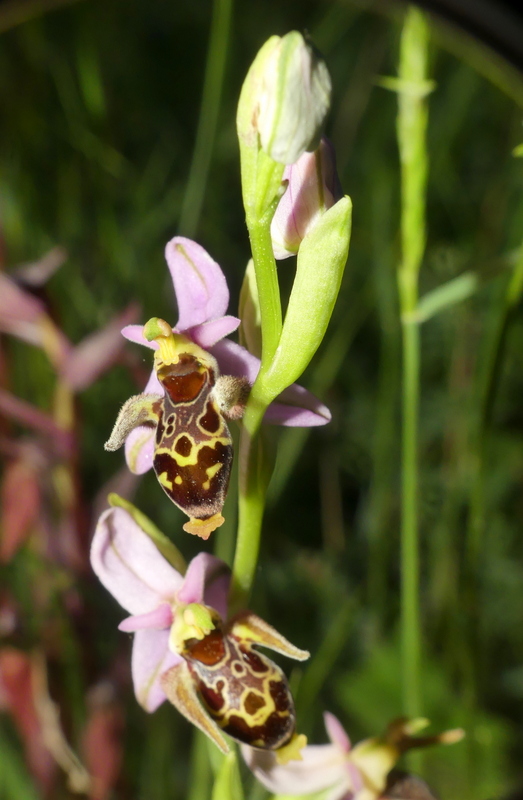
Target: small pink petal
134,333
295,406
234,359
292,417
322,767
336,732
129,564
97,352
151,658
153,385
203,570
139,449
355,777
300,397
208,333
160,618
217,590
200,285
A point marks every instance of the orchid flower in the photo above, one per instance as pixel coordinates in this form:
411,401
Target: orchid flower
343,772
178,425
203,297
182,649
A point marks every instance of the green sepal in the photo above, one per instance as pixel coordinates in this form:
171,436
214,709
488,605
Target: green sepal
168,550
228,785
321,260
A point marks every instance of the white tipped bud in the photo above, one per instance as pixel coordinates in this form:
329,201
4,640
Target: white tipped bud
285,97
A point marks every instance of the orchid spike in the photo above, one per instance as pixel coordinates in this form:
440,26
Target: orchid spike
183,648
362,772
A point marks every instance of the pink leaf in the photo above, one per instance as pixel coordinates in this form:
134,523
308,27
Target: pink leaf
20,505
97,352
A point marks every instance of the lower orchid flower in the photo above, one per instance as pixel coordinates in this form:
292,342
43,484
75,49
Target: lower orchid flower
185,652
341,771
200,378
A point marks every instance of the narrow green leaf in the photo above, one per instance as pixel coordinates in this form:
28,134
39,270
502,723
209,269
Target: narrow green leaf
227,785
445,296
321,261
15,782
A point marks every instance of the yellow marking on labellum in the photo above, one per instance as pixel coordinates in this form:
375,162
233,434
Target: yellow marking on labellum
257,707
211,472
292,750
164,480
192,459
178,480
204,527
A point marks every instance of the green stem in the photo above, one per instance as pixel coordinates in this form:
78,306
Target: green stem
268,287
410,615
254,473
411,130
207,123
253,482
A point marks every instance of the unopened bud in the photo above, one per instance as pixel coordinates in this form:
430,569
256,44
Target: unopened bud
285,98
312,188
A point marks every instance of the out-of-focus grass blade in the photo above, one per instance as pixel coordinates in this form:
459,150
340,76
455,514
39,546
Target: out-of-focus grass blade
445,296
15,783
320,667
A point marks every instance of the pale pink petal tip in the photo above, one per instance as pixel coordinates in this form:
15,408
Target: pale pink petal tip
160,618
336,732
129,564
203,571
199,283
134,333
139,449
208,333
151,658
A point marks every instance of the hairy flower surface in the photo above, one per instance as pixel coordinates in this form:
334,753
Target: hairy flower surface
342,771
203,297
312,187
183,649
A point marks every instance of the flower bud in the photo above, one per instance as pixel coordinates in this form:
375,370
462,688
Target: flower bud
312,188
285,98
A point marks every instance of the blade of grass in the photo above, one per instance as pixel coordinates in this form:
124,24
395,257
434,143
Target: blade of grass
207,123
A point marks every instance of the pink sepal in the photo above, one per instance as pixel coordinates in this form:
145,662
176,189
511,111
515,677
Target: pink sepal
336,732
200,285
151,658
322,767
208,333
205,583
129,564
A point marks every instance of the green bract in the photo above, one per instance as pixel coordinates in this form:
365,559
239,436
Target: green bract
321,261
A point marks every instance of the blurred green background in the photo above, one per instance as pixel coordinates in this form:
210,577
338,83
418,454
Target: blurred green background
100,106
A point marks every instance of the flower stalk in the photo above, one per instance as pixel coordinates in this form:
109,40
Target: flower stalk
411,132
